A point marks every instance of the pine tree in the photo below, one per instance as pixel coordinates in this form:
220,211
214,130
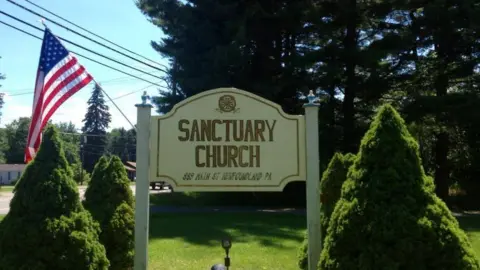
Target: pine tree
47,226
96,122
330,186
388,216
110,201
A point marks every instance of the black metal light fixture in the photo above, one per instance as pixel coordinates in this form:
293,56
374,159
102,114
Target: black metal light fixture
227,244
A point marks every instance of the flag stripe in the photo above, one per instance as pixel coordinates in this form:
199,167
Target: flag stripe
75,85
59,77
49,103
48,94
69,91
59,71
38,104
67,78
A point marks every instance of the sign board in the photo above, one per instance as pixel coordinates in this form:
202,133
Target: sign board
227,140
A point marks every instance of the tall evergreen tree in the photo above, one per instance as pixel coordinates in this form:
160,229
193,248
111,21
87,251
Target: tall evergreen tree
421,55
443,58
47,226
96,122
254,50
389,209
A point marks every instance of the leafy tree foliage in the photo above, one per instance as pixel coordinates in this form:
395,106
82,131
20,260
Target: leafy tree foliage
96,122
71,141
389,207
3,145
2,95
80,176
330,186
16,139
122,143
17,133
110,200
47,226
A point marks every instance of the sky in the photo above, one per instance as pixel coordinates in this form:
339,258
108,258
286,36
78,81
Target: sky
119,21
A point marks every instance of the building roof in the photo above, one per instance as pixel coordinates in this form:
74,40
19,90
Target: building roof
132,164
128,168
12,167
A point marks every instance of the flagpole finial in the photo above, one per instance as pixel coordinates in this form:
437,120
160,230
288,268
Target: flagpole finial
42,21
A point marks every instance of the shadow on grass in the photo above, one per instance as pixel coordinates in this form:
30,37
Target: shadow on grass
292,196
209,228
470,222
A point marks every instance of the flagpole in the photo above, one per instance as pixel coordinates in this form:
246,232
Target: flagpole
98,85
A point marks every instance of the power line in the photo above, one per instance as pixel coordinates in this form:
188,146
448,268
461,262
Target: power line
130,93
115,98
109,81
114,104
80,46
75,32
95,61
111,42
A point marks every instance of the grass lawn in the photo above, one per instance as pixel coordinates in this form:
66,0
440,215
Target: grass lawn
6,188
471,225
1,217
260,240
192,241
202,199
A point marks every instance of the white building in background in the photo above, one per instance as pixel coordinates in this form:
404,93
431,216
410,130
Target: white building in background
10,172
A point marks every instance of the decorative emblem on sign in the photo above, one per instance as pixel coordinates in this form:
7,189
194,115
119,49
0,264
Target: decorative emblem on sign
227,104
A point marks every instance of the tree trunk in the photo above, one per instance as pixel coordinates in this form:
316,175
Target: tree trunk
442,169
350,45
442,140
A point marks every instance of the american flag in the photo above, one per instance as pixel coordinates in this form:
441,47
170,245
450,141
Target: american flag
59,76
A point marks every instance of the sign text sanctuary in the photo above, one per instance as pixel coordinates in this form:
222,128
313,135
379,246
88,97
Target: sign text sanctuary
228,133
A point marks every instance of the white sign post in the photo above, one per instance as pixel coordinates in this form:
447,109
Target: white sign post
142,186
227,140
313,183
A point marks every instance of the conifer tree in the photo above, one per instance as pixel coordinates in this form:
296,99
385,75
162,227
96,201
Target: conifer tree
388,216
97,120
47,226
330,187
110,201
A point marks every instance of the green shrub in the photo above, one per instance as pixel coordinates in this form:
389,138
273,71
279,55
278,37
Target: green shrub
330,187
96,187
47,227
110,200
388,216
119,237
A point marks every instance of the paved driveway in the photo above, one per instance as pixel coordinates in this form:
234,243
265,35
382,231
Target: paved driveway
5,197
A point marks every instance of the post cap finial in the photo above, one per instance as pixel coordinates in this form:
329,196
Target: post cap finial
311,97
145,100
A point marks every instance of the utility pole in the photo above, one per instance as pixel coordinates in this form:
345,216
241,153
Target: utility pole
82,155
